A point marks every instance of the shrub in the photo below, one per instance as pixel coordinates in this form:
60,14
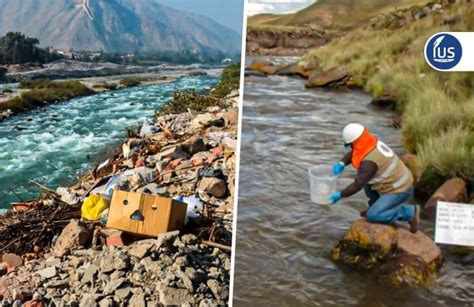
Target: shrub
46,91
230,80
7,90
182,100
129,82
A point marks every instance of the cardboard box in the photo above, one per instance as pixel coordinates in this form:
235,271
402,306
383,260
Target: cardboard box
145,214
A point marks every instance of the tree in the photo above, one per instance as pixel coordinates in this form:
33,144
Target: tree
3,74
16,48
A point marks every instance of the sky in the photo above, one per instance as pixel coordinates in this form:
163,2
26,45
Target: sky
276,6
226,12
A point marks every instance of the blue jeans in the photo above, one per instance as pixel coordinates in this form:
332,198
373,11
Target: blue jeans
388,208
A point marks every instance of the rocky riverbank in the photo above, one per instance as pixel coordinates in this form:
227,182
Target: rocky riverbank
283,41
189,155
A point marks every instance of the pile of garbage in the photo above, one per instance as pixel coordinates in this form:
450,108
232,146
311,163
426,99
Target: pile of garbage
189,157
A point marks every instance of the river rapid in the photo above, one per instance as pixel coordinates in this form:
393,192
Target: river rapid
61,141
284,241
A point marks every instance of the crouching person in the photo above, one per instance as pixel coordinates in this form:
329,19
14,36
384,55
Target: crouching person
387,182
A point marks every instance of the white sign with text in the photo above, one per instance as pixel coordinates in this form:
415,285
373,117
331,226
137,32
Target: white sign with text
454,224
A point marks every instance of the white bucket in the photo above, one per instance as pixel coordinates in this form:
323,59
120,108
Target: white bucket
322,183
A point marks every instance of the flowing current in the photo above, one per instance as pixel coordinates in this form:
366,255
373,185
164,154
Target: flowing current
61,141
284,241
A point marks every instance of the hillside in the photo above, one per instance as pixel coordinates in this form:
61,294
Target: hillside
333,14
314,26
114,26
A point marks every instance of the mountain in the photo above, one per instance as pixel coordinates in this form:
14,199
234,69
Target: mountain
333,14
115,26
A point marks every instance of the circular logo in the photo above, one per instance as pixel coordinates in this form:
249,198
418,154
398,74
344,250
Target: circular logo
443,51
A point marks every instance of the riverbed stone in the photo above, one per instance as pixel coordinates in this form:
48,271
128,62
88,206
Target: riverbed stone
333,77
368,246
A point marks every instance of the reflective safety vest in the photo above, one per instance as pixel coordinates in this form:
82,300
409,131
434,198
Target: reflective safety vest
392,175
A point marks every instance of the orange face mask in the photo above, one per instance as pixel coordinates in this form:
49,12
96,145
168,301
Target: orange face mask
362,147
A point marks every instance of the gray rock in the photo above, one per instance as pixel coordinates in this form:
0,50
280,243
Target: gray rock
189,239
173,296
106,302
113,285
137,300
88,300
140,250
207,302
166,239
213,186
89,274
114,261
123,293
48,272
215,287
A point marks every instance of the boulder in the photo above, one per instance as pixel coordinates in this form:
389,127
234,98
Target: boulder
294,69
263,66
12,260
74,236
166,239
396,254
194,145
231,117
386,100
214,186
333,77
453,190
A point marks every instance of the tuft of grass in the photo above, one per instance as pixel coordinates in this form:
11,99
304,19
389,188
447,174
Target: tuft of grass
230,80
437,108
130,82
44,92
450,153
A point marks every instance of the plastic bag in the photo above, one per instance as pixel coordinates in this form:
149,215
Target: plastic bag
93,207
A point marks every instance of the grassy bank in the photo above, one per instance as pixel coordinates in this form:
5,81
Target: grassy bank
437,108
41,92
190,99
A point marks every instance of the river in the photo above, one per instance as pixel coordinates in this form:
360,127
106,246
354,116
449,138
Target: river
63,140
283,240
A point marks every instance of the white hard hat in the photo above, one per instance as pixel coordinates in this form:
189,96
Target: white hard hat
352,132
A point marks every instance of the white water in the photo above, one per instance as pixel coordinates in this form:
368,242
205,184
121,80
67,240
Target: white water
62,141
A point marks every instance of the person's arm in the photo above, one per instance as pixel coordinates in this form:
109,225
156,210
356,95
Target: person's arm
366,172
347,158
339,166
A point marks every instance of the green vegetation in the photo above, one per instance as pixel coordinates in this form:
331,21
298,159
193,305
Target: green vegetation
437,108
187,99
192,100
129,82
7,90
108,86
230,80
43,92
16,48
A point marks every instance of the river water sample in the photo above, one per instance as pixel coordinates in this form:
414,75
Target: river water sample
55,144
322,183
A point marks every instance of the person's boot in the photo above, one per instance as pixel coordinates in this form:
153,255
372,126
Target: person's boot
415,221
